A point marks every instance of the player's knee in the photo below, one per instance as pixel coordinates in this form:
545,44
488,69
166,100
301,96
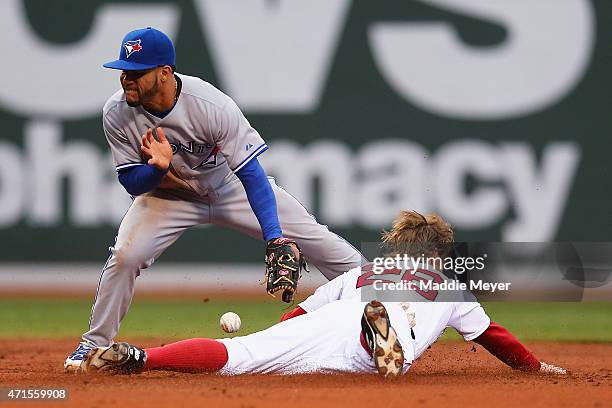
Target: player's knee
129,258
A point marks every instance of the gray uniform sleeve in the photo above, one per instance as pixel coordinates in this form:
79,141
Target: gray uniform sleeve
238,141
124,153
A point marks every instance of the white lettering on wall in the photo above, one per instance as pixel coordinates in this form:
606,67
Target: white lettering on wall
545,54
540,194
68,81
13,184
273,56
454,163
366,187
389,175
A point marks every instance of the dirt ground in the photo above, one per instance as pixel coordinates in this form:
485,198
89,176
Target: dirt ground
448,373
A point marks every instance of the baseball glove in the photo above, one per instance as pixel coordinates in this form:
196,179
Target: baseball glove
283,267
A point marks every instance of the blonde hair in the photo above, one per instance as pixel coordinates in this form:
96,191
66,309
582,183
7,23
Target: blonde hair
415,234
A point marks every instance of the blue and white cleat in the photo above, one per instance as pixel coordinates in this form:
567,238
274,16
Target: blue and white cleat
119,358
74,360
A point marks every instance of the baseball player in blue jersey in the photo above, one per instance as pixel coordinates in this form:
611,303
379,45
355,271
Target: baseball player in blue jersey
188,156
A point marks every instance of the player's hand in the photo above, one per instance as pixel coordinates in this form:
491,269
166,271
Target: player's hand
546,368
159,152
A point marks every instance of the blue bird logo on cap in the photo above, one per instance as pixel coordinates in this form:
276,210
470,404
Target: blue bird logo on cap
132,47
157,51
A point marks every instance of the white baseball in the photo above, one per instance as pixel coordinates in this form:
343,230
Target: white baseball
230,322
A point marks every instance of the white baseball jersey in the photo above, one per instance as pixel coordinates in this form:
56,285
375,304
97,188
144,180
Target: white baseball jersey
432,318
328,339
209,135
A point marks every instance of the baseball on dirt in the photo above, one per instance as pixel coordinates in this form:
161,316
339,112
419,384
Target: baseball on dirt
230,322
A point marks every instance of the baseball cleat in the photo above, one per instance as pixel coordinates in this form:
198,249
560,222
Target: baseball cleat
382,340
546,368
120,358
74,360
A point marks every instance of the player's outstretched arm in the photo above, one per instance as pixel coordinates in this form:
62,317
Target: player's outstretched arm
503,345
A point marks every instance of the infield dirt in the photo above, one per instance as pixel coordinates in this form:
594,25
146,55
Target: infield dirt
449,374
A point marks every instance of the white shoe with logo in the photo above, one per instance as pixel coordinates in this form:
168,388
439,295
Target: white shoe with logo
72,364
